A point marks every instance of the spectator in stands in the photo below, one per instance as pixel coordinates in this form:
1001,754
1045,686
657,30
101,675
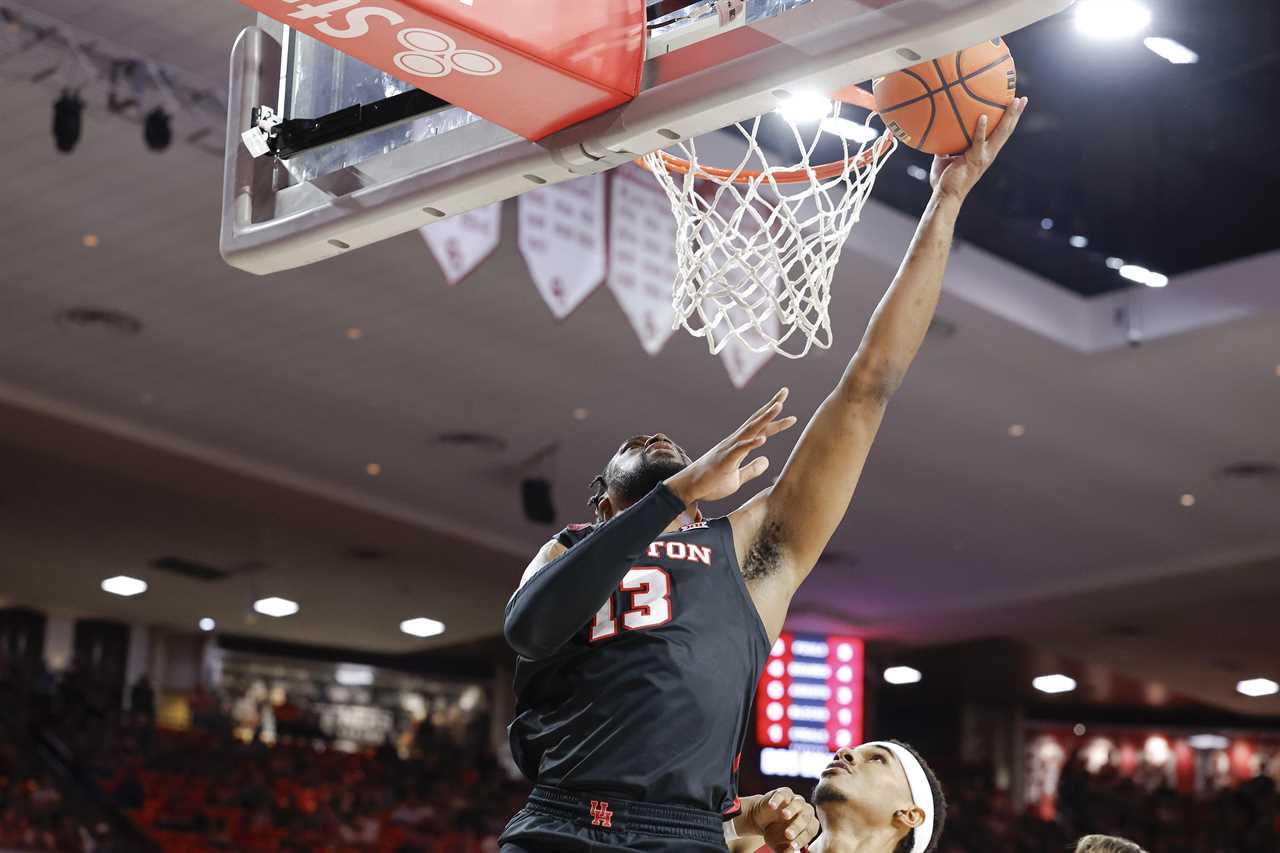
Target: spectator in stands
142,699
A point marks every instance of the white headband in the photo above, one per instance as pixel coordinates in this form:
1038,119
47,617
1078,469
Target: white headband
921,791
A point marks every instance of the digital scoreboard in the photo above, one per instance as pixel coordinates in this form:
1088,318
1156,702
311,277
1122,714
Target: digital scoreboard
809,702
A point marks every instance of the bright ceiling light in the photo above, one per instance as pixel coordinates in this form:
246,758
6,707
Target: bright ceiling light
1258,687
1046,224
276,607
854,131
1079,241
1208,742
1170,50
207,624
918,172
124,585
805,107
1115,263
353,675
1111,19
1142,275
422,627
1187,500
902,675
1054,683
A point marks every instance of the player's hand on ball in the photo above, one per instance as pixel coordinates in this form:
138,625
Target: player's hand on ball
785,820
956,176
719,472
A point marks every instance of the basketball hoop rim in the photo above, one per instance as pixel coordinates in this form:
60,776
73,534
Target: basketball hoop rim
853,95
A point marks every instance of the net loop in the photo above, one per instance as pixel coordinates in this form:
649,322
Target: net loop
756,243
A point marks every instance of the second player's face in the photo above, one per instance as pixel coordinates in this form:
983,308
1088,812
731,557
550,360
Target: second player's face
869,779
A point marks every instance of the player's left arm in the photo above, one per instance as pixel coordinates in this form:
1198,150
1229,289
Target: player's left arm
780,533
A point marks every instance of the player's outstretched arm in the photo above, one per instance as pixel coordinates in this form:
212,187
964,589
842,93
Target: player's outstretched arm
781,532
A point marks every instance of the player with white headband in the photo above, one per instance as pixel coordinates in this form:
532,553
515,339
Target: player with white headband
880,797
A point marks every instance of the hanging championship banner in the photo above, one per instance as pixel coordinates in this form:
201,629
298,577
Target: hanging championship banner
461,243
562,239
642,254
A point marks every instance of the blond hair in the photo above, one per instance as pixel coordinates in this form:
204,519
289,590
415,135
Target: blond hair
1106,844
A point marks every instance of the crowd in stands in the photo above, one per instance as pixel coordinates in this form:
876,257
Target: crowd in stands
980,819
203,790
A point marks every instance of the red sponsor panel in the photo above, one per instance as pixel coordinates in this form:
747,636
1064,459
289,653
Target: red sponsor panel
533,68
776,672
845,657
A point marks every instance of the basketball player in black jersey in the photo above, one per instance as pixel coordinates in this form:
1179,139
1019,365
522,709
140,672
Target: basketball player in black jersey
641,637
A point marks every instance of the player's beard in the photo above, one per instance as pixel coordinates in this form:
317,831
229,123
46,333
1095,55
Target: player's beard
823,793
634,483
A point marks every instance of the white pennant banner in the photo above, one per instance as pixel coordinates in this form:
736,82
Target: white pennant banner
642,254
461,243
562,239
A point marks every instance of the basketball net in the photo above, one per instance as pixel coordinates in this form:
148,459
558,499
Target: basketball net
757,244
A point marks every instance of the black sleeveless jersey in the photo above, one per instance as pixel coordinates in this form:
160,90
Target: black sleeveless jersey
651,699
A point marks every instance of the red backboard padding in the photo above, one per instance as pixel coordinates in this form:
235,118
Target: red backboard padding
532,67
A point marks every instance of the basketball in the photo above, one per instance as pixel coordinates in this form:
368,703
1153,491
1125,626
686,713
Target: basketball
935,106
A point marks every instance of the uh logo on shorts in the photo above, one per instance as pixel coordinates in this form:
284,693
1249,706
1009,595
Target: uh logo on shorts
600,814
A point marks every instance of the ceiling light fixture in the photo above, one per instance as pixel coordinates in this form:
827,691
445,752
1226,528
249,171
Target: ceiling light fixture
805,107
1171,51
918,172
1111,19
277,607
1142,275
1056,683
1079,241
207,624
1187,500
422,627
853,131
124,585
1258,687
902,675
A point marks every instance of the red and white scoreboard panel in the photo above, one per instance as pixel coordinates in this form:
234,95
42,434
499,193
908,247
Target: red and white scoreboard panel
809,702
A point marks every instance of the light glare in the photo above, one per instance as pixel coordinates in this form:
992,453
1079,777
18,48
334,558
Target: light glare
1171,51
277,607
1057,683
1111,19
902,675
124,585
1258,687
805,107
849,129
422,627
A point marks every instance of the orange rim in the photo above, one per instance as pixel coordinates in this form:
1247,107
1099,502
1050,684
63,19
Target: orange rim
852,95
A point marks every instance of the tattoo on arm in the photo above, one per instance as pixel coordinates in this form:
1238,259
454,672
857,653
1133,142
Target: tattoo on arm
765,556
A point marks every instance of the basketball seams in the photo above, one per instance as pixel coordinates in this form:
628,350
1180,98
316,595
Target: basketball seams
964,82
968,139
933,105
961,79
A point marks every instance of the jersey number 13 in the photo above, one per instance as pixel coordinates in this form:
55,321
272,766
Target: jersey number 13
649,588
